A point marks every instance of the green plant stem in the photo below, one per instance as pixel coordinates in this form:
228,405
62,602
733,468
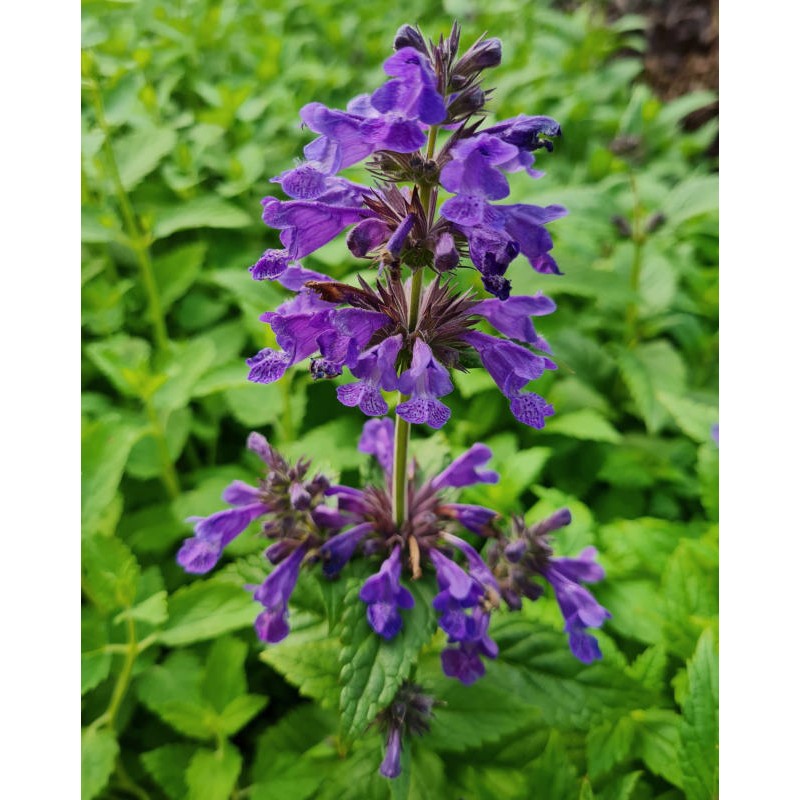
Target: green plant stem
638,238
402,430
133,229
169,476
124,677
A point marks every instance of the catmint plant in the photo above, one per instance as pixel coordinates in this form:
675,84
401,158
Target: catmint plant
434,208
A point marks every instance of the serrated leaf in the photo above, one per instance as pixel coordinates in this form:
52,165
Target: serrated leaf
658,735
167,767
650,667
138,153
309,659
373,668
95,664
206,609
224,678
427,773
699,731
206,211
239,712
609,744
694,419
153,610
145,459
99,750
650,368
255,405
187,364
171,690
110,573
472,716
554,770
177,270
690,590
212,774
622,788
123,360
586,424
105,447
536,662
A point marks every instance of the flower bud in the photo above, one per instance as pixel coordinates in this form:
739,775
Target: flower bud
408,36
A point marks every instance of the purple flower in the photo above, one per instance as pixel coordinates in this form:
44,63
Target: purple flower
390,767
473,170
412,93
384,597
512,367
512,317
464,662
524,131
271,624
578,606
715,433
201,552
377,439
464,470
473,518
367,236
425,380
376,368
477,567
337,551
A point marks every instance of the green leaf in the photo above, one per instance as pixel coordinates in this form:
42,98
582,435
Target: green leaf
308,659
207,609
647,370
535,661
471,716
109,572
658,743
372,667
207,211
254,405
95,664
167,767
650,667
177,270
609,744
239,712
554,770
124,361
708,475
622,788
172,691
699,731
427,773
138,153
187,364
586,792
690,590
145,459
99,750
694,419
691,198
212,774
224,679
153,610
105,446
586,424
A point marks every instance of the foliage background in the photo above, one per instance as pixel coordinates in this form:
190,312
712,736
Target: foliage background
189,109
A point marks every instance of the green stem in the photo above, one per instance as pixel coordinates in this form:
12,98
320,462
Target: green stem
638,239
124,677
402,430
133,229
169,476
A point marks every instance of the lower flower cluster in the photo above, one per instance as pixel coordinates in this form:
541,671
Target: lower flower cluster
311,521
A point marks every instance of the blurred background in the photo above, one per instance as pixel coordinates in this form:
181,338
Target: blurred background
189,108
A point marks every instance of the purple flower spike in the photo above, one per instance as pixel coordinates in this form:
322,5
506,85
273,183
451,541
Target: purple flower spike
464,470
377,439
477,566
336,552
452,579
384,597
578,606
465,662
376,368
425,380
390,767
271,624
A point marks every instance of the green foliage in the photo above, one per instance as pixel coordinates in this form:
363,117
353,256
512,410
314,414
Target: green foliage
194,112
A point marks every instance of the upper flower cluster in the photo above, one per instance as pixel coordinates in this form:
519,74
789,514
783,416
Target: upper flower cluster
391,335
306,530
